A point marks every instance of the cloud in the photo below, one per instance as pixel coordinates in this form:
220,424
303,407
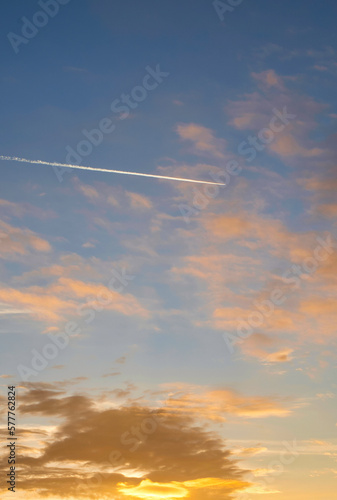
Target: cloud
25,209
70,266
89,244
327,272
147,489
265,232
287,145
89,192
63,296
229,226
203,139
105,196
205,171
268,79
254,450
112,374
316,306
254,112
232,318
139,201
214,275
329,210
16,242
103,457
39,304
208,266
238,260
282,356
315,183
99,194
262,347
218,404
322,189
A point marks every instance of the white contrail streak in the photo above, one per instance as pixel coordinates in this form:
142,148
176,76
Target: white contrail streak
79,167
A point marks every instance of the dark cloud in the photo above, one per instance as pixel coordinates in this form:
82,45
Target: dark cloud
160,446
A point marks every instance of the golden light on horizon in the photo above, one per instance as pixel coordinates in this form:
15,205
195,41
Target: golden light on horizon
150,490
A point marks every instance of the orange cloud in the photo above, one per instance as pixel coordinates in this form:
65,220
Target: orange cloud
229,318
268,79
42,306
122,302
217,404
70,265
327,270
53,302
282,356
202,138
328,210
318,306
254,111
99,195
318,184
16,241
219,270
176,459
243,121
229,226
89,192
252,451
265,232
23,209
139,201
260,345
287,145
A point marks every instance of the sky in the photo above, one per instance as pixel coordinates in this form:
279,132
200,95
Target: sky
167,339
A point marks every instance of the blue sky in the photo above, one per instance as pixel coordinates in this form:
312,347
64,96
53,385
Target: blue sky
202,260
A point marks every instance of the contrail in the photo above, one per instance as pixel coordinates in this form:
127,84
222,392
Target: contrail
79,167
